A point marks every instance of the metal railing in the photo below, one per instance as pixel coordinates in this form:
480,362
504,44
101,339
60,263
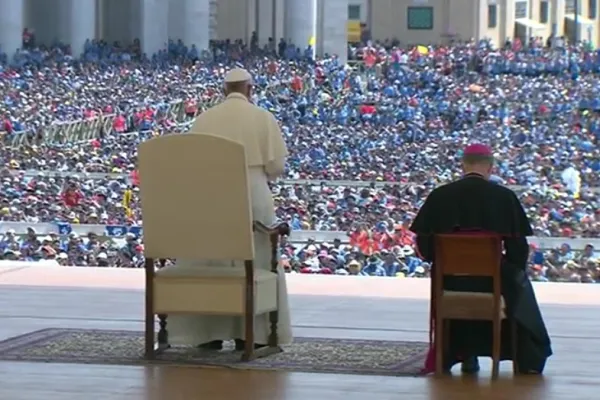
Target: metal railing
60,133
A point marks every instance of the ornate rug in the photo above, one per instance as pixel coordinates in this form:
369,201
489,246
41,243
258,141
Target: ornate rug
323,355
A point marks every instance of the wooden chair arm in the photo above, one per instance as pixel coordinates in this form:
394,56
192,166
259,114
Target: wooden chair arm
278,228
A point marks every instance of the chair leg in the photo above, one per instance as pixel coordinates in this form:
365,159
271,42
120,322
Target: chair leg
439,346
249,312
497,341
515,346
249,350
445,337
273,335
149,337
149,310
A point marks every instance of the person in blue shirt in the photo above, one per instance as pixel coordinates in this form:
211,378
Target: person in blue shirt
9,242
75,250
390,264
588,254
128,253
373,267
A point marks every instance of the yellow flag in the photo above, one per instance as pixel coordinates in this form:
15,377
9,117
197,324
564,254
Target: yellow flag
423,50
127,198
127,202
312,41
577,188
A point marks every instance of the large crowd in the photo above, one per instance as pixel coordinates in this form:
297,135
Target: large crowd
398,116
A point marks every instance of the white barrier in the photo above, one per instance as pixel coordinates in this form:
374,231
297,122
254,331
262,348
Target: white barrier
20,228
27,264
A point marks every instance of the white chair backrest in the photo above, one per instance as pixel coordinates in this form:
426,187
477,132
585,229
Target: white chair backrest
195,198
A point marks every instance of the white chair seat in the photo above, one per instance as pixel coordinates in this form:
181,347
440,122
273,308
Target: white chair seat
199,271
212,290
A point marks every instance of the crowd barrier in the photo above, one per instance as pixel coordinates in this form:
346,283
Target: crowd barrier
357,184
118,231
27,264
64,229
61,133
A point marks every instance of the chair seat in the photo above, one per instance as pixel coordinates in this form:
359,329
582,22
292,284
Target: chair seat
199,271
470,305
212,290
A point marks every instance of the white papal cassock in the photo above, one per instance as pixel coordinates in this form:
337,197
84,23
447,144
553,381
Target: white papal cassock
237,119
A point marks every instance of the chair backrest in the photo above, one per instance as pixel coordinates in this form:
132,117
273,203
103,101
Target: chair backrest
195,198
468,254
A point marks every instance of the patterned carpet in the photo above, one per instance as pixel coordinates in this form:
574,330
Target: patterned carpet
363,357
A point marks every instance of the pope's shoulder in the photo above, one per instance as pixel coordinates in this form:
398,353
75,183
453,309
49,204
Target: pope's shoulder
461,185
245,105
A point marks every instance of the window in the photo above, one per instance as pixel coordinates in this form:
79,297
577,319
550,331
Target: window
492,16
354,12
592,9
544,12
521,9
420,17
569,6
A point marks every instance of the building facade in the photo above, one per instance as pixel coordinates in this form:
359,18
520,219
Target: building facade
428,21
316,22
325,24
435,21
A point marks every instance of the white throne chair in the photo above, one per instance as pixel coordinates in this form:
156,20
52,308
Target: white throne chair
196,206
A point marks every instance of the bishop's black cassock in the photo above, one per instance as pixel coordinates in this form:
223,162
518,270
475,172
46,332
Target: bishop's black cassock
475,204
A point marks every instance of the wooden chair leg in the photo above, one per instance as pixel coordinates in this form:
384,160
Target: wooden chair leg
273,335
249,312
445,337
439,346
273,345
496,342
149,305
515,346
248,354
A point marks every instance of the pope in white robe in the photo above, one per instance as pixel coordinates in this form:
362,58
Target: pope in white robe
238,119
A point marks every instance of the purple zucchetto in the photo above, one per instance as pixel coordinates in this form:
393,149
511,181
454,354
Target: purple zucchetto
478,149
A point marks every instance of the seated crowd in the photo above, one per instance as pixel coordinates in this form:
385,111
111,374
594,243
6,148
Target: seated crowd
340,122
78,199
361,256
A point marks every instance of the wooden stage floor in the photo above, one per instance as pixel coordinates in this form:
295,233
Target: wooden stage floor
33,298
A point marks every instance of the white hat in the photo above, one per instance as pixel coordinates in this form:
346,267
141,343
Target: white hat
408,250
238,75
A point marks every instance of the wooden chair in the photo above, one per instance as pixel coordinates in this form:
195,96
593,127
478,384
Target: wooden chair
196,206
473,255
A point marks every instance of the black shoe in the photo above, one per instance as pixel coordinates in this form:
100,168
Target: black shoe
241,344
531,372
470,366
214,345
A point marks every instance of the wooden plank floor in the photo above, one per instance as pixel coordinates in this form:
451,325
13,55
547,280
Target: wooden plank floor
322,306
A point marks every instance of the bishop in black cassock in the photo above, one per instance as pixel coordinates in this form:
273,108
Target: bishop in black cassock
473,203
